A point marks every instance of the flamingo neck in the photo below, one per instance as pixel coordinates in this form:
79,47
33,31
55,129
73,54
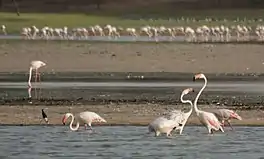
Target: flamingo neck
198,95
187,101
30,75
77,125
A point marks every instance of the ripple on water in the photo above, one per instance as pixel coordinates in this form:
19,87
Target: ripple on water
128,142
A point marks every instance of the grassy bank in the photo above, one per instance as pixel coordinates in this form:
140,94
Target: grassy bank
131,18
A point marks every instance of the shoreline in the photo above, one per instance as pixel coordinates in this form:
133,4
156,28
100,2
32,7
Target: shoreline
129,76
125,115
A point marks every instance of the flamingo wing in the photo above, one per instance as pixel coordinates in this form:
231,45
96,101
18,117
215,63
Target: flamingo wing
91,117
212,120
158,123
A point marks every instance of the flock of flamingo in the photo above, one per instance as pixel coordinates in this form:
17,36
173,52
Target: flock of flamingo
213,121
192,34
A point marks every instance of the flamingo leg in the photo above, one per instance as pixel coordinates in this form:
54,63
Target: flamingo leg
36,76
230,125
39,76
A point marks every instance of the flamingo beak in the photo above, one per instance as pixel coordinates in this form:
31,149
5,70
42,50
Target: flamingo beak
194,78
64,120
239,117
235,116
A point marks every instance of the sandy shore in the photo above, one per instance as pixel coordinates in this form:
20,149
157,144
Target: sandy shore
136,57
114,114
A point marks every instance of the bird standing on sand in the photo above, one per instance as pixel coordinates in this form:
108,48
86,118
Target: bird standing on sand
86,117
35,65
44,116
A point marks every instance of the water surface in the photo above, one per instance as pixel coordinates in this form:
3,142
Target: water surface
36,142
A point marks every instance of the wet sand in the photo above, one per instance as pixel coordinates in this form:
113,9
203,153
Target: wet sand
125,114
132,57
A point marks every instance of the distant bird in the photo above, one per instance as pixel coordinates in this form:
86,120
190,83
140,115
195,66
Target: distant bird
35,65
226,115
44,116
208,119
85,118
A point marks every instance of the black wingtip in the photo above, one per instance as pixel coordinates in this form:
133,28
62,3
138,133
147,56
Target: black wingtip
193,78
180,124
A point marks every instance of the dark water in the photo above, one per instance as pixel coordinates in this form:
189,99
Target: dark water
37,142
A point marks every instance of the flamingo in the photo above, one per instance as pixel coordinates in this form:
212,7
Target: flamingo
176,121
35,65
209,120
163,125
226,115
86,117
185,116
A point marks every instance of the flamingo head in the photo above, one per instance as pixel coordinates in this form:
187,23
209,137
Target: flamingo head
198,76
65,117
43,64
188,90
234,115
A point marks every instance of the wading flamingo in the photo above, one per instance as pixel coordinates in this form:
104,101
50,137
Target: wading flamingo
209,120
34,65
176,120
226,115
86,117
185,116
163,125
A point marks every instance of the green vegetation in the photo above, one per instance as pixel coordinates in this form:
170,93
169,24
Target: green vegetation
142,17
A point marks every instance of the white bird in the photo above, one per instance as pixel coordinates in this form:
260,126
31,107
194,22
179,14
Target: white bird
86,117
163,125
176,120
35,65
184,116
209,120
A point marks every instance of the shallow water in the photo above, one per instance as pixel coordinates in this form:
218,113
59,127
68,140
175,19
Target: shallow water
34,142
233,92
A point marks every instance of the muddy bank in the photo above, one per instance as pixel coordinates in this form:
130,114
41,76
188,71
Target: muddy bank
124,114
136,57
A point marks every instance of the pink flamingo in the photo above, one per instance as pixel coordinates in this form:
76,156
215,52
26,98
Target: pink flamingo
86,117
35,65
209,120
226,115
